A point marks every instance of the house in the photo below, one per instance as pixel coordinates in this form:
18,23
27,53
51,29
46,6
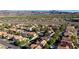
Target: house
10,36
67,33
1,24
66,38
43,42
2,33
62,47
71,29
36,46
13,29
33,46
18,37
33,34
66,45
51,34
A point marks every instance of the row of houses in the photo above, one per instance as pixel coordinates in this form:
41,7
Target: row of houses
69,38
18,32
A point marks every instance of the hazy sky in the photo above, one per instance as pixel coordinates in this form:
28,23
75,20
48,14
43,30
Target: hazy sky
71,10
39,4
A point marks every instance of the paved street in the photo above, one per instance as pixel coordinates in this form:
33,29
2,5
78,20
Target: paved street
7,45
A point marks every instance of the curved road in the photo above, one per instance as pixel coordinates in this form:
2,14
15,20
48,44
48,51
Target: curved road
7,45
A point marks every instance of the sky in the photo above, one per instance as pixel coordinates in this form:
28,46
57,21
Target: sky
39,5
70,10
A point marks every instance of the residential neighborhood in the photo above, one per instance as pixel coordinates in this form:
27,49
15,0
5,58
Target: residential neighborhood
39,31
36,36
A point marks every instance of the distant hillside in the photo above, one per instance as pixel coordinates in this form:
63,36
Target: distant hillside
25,13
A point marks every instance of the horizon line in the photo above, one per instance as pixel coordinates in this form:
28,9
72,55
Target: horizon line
45,10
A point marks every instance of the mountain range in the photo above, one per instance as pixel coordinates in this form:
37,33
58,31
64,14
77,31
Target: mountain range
31,12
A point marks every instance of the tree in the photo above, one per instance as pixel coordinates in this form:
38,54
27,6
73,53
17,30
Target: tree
22,42
53,39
